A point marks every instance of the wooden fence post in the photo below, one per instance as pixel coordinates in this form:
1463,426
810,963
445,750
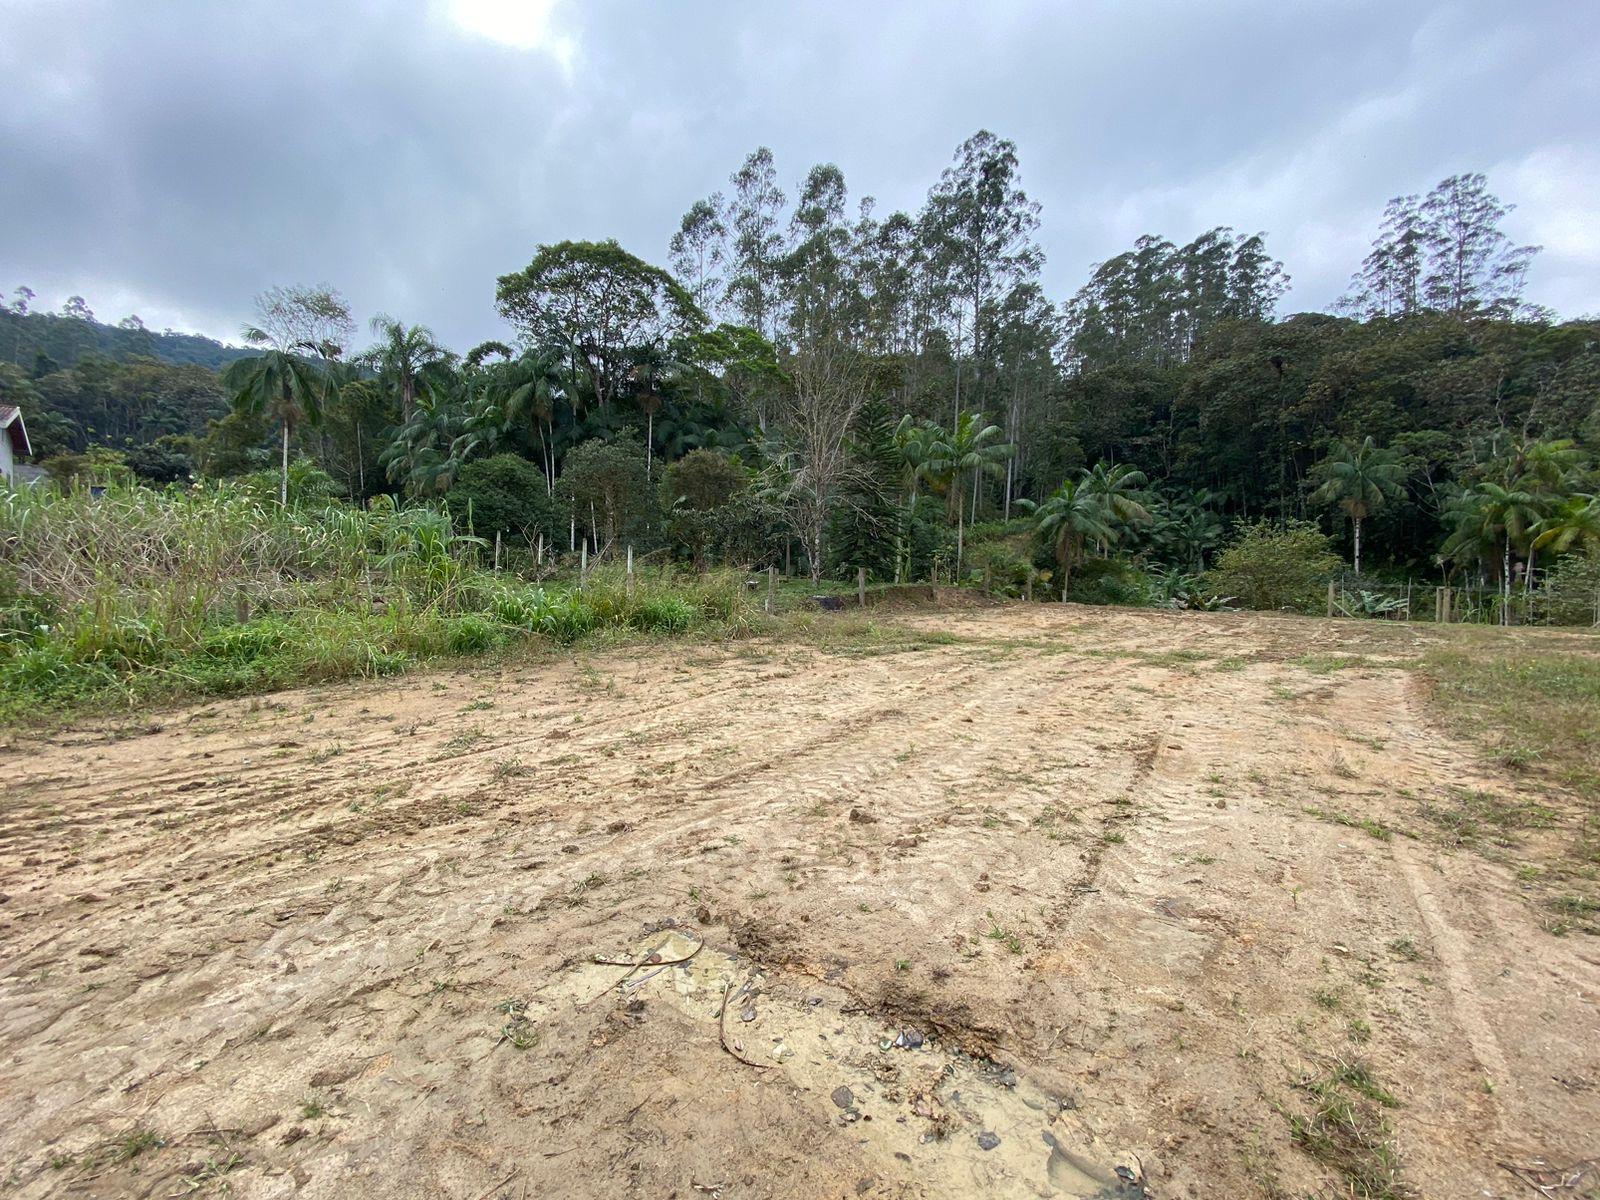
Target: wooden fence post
630,572
772,587
861,586
1331,587
496,549
583,565
538,552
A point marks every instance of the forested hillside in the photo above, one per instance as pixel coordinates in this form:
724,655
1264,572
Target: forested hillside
30,338
810,381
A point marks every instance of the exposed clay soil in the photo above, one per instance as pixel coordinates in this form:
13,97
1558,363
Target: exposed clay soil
341,942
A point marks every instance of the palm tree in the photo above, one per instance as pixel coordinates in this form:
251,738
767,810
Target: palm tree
1574,523
1359,480
970,446
1186,528
280,384
423,455
1489,517
658,374
1068,519
916,442
514,395
1118,492
403,358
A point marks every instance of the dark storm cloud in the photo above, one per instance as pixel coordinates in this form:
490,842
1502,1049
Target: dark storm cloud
174,159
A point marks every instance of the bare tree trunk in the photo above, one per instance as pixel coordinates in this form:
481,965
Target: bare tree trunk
283,469
1505,585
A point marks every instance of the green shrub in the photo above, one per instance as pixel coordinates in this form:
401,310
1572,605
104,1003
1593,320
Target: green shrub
471,635
608,482
564,617
663,614
1110,581
1573,590
1275,566
1001,554
503,494
248,642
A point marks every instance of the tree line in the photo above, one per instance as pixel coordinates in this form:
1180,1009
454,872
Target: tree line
811,381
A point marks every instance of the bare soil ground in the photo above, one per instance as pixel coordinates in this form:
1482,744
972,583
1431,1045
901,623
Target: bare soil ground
1164,905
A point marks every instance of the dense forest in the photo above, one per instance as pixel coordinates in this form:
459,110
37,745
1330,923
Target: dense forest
810,383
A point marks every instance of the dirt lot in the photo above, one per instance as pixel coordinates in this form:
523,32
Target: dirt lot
1154,904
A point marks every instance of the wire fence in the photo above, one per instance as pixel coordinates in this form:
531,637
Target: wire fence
1534,602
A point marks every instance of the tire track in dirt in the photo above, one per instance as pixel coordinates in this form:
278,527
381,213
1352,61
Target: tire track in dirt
1093,863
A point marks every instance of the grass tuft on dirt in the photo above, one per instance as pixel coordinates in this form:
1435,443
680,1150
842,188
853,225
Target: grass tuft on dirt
1346,1131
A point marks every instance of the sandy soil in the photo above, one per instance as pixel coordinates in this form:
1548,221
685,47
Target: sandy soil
1100,873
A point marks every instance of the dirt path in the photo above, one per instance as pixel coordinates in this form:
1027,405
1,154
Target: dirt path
1104,875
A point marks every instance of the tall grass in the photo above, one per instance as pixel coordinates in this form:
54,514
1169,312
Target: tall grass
134,594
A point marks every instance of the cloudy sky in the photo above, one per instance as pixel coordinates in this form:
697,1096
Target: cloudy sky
173,158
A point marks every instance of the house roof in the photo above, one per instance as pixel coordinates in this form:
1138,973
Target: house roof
11,422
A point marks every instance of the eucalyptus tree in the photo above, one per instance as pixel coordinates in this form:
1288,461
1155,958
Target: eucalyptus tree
1446,252
698,253
1360,480
1027,340
18,306
1473,266
753,215
1153,303
1389,283
816,273
980,226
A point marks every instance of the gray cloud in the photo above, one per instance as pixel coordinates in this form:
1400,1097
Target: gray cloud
175,159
